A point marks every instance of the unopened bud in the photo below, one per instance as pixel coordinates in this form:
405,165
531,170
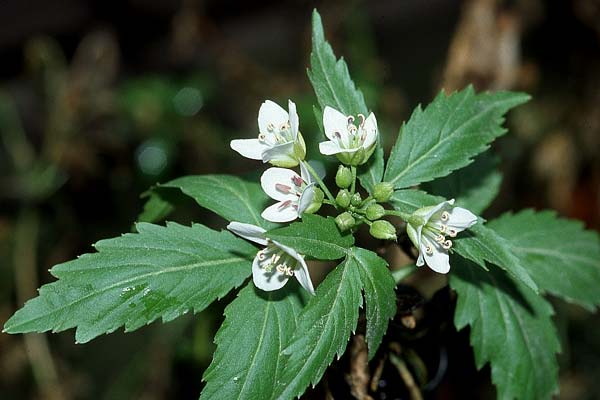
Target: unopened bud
374,212
345,221
383,230
356,200
383,192
343,198
343,177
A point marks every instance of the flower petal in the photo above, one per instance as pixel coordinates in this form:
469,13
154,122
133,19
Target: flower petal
267,281
439,261
461,219
271,113
293,118
306,198
280,153
329,148
334,121
437,208
249,148
370,127
278,176
303,277
280,212
249,232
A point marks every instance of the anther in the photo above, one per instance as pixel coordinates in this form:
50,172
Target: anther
362,119
447,244
262,137
337,135
261,255
270,127
452,232
350,120
440,238
296,180
283,188
445,216
284,204
429,249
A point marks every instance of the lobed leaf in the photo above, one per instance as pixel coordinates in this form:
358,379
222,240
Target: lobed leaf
447,135
134,279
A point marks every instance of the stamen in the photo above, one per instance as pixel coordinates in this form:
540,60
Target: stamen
284,204
443,228
270,127
352,129
447,244
283,188
429,249
262,136
337,135
284,269
362,120
261,255
440,238
452,232
296,180
445,216
275,258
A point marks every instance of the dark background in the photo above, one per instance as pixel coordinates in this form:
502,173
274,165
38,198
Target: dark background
99,100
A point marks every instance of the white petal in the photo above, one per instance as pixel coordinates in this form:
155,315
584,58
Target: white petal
334,121
439,261
420,260
307,197
280,152
249,232
267,281
279,212
328,148
435,209
303,277
249,148
273,176
293,117
271,113
461,219
371,128
288,250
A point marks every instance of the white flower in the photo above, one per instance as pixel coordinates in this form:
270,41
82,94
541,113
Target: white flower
293,192
279,141
427,228
276,263
352,144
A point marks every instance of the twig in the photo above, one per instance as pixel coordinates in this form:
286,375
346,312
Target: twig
359,368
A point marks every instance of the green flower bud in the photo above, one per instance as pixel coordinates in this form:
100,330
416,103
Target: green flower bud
382,229
345,221
374,212
343,177
343,198
316,203
383,191
356,200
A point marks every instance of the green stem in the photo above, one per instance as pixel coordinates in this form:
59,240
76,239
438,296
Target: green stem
320,182
353,187
400,214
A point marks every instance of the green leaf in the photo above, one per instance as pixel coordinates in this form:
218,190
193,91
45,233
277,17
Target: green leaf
228,196
559,254
380,297
480,244
248,362
372,172
323,329
511,327
134,279
155,209
410,200
315,236
474,187
330,77
447,135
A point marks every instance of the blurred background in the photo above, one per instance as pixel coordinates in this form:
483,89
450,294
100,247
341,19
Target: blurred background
101,100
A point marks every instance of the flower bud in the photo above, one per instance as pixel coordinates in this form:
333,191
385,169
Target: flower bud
345,221
383,192
343,177
317,202
343,198
374,212
355,200
382,229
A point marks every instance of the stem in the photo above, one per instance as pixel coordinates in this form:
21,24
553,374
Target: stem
320,182
400,214
353,187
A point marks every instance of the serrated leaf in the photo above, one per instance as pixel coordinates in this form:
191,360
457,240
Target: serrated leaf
380,297
248,361
330,77
155,209
559,254
315,236
511,327
134,279
323,329
474,187
228,196
372,172
447,135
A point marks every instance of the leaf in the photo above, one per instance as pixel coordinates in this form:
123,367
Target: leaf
323,329
372,171
410,200
248,361
474,187
134,279
511,327
315,236
380,297
330,77
447,135
559,254
228,196
155,209
480,244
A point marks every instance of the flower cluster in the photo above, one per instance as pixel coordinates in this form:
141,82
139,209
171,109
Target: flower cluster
352,139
